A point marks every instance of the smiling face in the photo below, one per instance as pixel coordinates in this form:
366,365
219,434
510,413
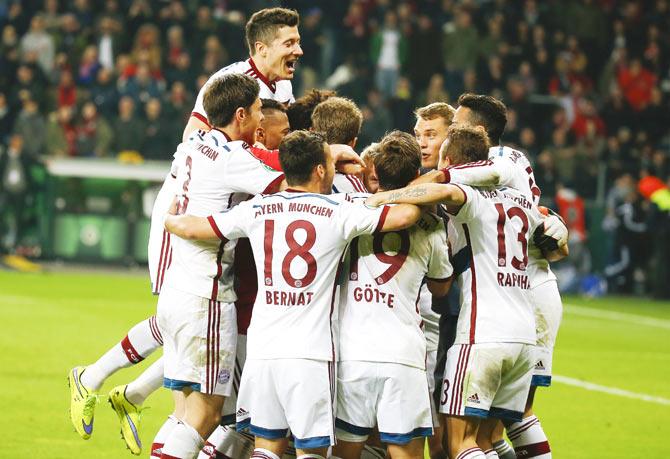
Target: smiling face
282,54
430,133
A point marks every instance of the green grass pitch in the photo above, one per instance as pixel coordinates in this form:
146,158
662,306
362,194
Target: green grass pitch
51,322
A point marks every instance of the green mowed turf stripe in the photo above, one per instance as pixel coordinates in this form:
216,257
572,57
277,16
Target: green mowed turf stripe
628,305
634,319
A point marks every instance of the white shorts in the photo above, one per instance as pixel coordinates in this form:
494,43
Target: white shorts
230,404
548,307
392,396
200,337
431,362
487,380
296,394
159,250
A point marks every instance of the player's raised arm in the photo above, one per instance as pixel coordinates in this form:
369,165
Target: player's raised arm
552,236
426,194
194,123
190,227
400,217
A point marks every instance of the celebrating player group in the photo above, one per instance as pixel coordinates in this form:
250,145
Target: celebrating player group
297,280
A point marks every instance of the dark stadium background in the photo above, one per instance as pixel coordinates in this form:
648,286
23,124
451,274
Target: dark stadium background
586,84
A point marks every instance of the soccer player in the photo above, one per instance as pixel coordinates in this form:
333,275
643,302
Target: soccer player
381,375
298,237
510,167
274,126
195,308
340,121
273,40
300,112
489,369
430,130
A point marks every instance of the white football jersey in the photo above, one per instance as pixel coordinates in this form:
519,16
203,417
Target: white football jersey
496,226
343,183
431,319
379,311
516,172
298,240
281,90
215,174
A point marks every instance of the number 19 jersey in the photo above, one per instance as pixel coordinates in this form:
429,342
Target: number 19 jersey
298,240
496,226
379,317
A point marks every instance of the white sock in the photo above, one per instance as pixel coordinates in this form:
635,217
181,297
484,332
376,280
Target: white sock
161,436
504,450
146,383
529,439
491,454
261,453
225,442
139,343
471,453
184,442
310,456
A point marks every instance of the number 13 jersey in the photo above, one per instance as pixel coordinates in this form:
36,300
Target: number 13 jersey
495,225
298,240
379,311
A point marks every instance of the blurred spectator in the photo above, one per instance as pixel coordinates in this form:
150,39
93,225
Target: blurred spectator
146,47
38,46
128,128
6,118
637,83
423,61
460,43
160,134
27,85
376,119
16,190
142,86
109,41
71,41
389,53
61,133
94,135
104,94
66,92
435,91
30,125
179,104
88,66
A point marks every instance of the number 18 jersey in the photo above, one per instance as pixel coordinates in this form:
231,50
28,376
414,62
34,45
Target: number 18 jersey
379,317
496,226
298,240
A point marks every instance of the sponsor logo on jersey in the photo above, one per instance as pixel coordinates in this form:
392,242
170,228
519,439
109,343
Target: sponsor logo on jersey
474,398
539,365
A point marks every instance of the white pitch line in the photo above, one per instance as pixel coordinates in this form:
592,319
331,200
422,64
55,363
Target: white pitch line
610,390
618,316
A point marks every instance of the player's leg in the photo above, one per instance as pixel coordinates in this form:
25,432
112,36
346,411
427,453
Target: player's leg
462,437
357,394
126,400
199,362
434,441
484,436
503,449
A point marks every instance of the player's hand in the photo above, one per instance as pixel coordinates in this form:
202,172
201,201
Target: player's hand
347,160
375,200
554,228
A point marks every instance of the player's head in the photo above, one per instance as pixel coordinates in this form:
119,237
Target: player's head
274,126
273,40
233,100
306,161
432,122
300,112
370,174
398,161
482,110
464,144
339,120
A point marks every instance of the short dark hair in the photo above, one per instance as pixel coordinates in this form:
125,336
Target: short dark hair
226,94
338,119
299,153
487,111
398,160
264,24
300,112
466,144
271,104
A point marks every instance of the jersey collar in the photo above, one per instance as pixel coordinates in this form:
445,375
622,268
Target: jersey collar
257,74
219,133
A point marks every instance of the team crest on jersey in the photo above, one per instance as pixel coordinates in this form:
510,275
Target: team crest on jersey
224,376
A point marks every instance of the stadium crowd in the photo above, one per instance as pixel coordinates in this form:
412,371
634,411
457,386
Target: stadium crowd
586,84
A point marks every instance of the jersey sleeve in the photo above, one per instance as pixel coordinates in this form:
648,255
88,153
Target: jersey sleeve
245,173
468,211
481,173
355,219
268,157
439,266
233,223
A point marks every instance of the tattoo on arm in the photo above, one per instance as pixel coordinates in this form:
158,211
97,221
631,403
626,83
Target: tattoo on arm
411,192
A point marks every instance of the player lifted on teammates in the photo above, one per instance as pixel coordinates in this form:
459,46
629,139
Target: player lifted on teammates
298,237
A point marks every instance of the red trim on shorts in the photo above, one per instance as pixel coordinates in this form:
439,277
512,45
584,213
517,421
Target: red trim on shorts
131,353
473,286
155,331
214,226
201,117
157,287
